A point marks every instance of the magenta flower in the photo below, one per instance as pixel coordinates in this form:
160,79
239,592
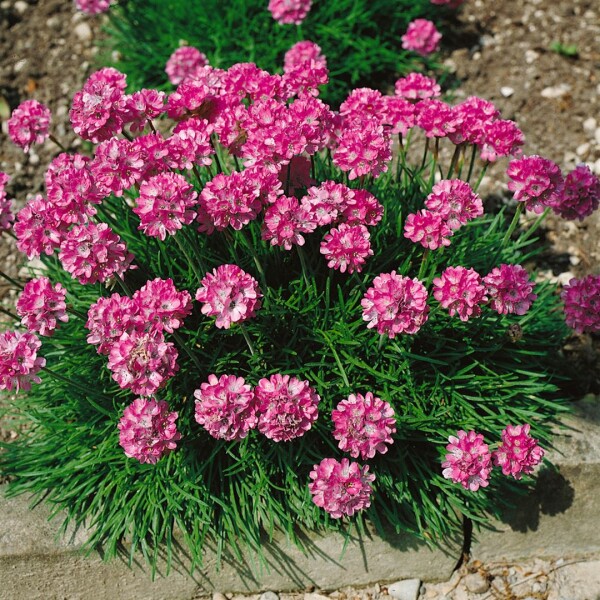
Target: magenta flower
183,63
362,208
192,98
141,107
580,196
29,124
287,407
289,12
436,118
142,362
468,461
190,144
363,425
303,78
166,203
509,289
395,304
19,362
347,247
6,206
117,166
93,253
536,181
455,202
285,221
230,294
325,203
160,306
341,488
226,407
92,7
475,115
41,305
501,138
461,291
416,86
147,430
519,452
422,37
428,229
398,114
581,298
303,52
361,103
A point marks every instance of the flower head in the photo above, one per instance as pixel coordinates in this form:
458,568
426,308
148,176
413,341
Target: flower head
183,63
519,452
285,221
92,7
509,289
230,294
289,12
580,196
287,407
341,488
468,461
29,124
422,37
160,306
581,298
302,52
416,86
346,247
363,425
436,118
428,229
461,291
147,430
501,138
226,407
395,304
6,205
41,305
19,362
455,202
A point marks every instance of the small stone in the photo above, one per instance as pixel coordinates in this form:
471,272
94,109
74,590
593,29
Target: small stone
218,596
563,279
53,22
19,65
596,167
407,589
506,91
34,159
590,125
21,6
597,135
83,31
315,596
269,596
531,56
582,149
476,583
556,91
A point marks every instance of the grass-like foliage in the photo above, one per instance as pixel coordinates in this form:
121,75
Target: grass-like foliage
361,38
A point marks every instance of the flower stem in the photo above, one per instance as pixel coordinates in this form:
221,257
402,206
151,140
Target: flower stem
472,163
513,224
535,225
217,160
189,258
424,154
247,338
9,314
55,140
481,176
303,264
11,280
453,161
184,346
424,262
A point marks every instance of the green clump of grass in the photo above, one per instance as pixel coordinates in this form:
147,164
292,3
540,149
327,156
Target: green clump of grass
567,50
360,38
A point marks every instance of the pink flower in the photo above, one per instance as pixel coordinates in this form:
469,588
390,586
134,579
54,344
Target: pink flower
304,79
166,203
6,205
364,148
287,12
183,63
230,294
302,52
326,202
285,221
92,7
287,407
142,362
581,195
428,229
398,114
361,103
117,166
395,304
519,452
363,425
147,430
341,488
41,305
536,181
362,208
19,362
226,407
461,291
92,253
501,138
192,98
347,247
416,86
581,298
509,289
29,124
468,461
475,116
436,118
455,202
422,37
160,306
141,107
190,144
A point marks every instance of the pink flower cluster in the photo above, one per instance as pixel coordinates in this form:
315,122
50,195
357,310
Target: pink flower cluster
395,304
363,425
6,213
19,362
509,289
347,247
519,452
92,7
580,196
422,37
581,298
41,305
185,62
461,291
341,488
147,430
230,294
29,124
289,12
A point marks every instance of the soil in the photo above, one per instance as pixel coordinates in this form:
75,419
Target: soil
537,60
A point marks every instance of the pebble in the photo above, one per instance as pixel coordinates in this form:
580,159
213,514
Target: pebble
315,596
19,65
582,149
269,596
590,125
531,56
506,91
556,91
218,596
21,6
597,135
34,159
596,167
407,589
83,31
476,583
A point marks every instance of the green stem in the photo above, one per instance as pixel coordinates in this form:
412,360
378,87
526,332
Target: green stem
75,312
513,224
481,176
381,340
184,346
424,154
217,160
127,135
247,338
86,390
472,163
11,280
535,225
189,258
237,163
453,161
9,314
151,125
197,174
257,262
303,264
424,262
55,140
